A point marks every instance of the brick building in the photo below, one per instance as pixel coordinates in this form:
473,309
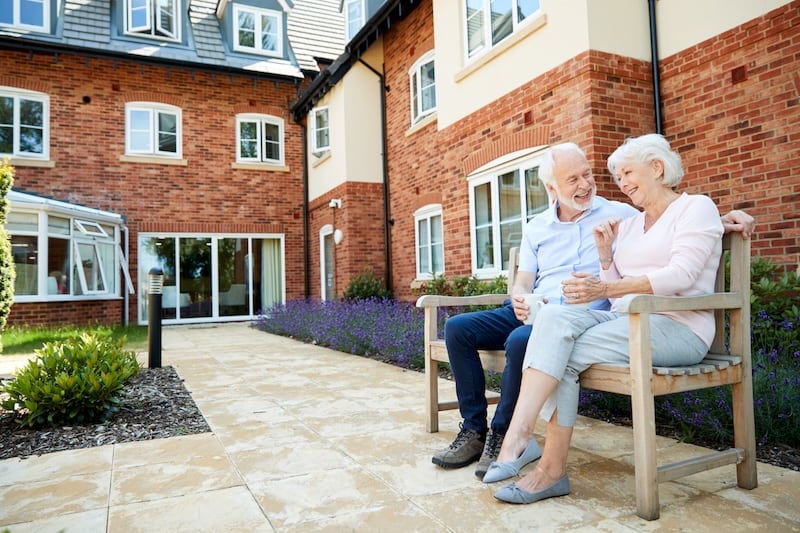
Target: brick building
157,135
409,151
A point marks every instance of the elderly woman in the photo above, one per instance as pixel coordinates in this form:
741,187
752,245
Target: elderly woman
671,248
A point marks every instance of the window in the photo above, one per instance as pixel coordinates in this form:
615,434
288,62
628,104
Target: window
320,131
430,241
488,22
259,139
26,14
153,18
62,251
257,31
498,198
24,123
152,129
423,88
355,14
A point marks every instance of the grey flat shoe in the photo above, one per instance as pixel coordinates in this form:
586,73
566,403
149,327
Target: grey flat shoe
500,470
511,493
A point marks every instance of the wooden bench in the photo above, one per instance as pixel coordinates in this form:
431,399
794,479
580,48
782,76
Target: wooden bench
728,363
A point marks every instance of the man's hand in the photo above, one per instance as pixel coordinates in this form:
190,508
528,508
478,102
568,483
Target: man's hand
739,221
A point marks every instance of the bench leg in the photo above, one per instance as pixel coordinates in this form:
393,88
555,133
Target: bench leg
744,433
644,418
431,393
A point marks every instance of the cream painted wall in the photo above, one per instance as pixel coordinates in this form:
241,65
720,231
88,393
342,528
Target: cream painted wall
328,171
355,153
571,27
363,121
676,31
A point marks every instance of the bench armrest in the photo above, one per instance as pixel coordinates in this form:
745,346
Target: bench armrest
650,303
436,300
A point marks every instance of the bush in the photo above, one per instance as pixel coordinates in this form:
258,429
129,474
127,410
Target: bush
7,273
72,381
366,286
463,286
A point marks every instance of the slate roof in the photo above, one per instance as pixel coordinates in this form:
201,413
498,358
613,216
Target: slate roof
315,29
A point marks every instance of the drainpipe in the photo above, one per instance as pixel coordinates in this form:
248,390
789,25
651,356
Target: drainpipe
125,297
387,220
306,253
651,4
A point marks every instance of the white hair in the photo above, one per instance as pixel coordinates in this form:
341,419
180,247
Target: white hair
647,148
547,165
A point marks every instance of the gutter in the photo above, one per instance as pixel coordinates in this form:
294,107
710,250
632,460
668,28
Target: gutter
22,45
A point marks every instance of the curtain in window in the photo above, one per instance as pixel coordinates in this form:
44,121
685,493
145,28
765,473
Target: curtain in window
272,285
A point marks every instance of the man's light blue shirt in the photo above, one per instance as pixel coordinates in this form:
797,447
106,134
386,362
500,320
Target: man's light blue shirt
553,249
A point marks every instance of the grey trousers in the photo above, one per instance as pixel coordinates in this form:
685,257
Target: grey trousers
566,341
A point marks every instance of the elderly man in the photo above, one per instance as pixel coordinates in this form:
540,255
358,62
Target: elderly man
556,243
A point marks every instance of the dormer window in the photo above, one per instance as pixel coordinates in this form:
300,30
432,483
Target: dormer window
26,14
257,31
153,18
354,11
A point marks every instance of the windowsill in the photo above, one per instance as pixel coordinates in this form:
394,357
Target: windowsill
322,158
154,160
23,162
271,167
484,59
422,124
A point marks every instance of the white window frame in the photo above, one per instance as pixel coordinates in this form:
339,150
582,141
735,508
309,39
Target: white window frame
483,17
428,244
354,21
490,174
258,15
16,7
418,112
261,122
155,25
153,111
19,95
316,147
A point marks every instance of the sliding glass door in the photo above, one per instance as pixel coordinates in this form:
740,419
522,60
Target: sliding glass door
212,278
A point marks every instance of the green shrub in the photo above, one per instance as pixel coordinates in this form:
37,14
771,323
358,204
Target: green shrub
365,286
463,286
7,273
73,381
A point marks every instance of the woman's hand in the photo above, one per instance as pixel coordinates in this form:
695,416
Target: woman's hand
583,287
739,221
604,236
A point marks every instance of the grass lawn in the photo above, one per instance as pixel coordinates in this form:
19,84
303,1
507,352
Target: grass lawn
26,340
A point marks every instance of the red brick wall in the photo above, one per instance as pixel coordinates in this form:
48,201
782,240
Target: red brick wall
87,141
732,108
107,312
361,220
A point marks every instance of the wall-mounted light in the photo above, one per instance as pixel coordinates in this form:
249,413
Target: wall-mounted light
337,236
335,203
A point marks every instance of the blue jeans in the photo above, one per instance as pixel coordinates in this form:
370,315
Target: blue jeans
464,335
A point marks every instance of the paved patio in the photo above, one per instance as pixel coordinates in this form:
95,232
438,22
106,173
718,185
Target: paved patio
309,439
